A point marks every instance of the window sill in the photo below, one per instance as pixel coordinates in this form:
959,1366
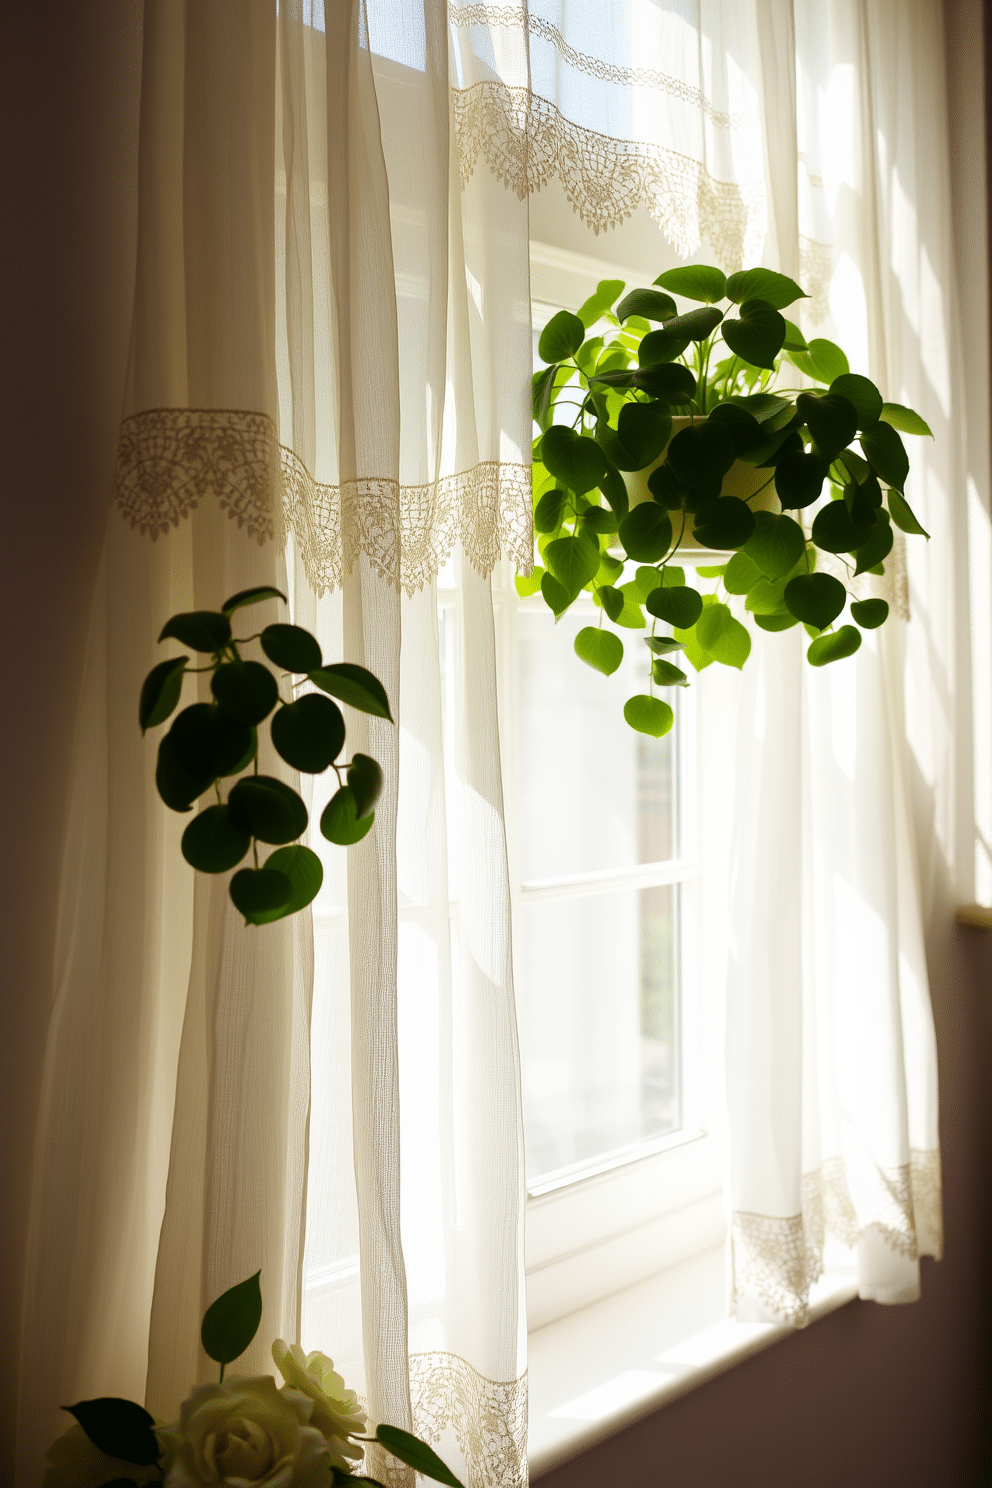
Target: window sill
597,1371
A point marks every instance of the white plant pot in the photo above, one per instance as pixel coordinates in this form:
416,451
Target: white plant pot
741,480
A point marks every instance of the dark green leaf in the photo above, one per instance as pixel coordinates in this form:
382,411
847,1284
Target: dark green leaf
305,872
574,459
701,455
647,302
816,599
365,783
903,516
877,545
614,490
904,419
794,338
556,596
548,511
340,822
823,360
799,479
667,674
757,336
259,893
725,638
230,1323
599,520
561,337
252,596
835,532
648,715
309,734
291,647
542,394
666,488
742,426
597,304
600,649
681,607
728,523
160,691
212,843
886,454
834,647
695,282
415,1454
768,409
177,787
612,600
863,394
695,324
659,348
245,689
646,532
775,622
672,383
119,1428
354,685
831,420
777,290
572,562
870,613
776,545
643,430
267,809
663,645
202,630
741,572
209,742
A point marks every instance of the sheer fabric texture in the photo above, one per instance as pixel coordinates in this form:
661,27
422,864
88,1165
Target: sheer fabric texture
328,391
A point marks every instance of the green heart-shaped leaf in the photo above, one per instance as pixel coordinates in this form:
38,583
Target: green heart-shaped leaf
886,454
230,1323
556,596
561,337
646,532
905,420
757,336
542,394
862,394
291,647
870,613
599,303
695,324
354,685
611,599
266,808
176,785
209,742
340,821
309,734
257,595
549,511
572,561
660,348
663,645
212,843
574,459
822,360
834,647
246,690
643,430
648,303
667,674
741,572
799,479
816,599
776,545
742,426
725,638
305,872
701,455
672,383
766,598
600,649
201,630
877,545
902,515
776,621
119,1428
831,420
680,607
648,715
728,523
777,290
365,783
160,692
834,530
695,282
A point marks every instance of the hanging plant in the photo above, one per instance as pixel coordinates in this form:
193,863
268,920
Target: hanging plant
213,746
684,445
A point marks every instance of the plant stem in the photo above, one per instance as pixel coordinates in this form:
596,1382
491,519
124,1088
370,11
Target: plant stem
222,1368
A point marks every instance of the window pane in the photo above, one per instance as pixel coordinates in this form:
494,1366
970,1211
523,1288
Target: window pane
600,1014
593,793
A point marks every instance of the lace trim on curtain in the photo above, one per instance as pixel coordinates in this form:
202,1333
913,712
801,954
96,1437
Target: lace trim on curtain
816,267
777,1260
170,459
510,17
526,142
488,1417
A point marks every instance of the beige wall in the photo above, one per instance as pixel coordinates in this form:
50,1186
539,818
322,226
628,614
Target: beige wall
69,102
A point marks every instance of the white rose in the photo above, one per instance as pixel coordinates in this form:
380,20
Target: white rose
74,1462
247,1434
336,1411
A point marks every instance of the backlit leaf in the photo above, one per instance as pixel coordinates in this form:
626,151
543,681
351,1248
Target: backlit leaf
648,715
600,649
230,1323
834,647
